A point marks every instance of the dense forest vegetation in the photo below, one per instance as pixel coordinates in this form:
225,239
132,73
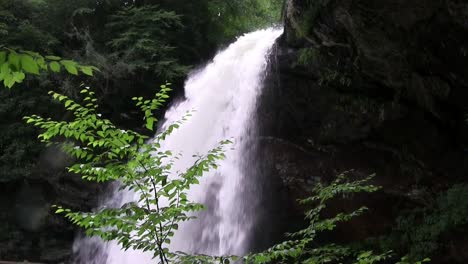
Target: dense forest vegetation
136,45
354,89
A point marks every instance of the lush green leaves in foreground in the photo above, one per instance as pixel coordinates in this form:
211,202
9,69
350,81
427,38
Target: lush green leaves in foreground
14,65
107,153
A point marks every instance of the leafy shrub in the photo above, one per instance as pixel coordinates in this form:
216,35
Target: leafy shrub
302,246
422,230
103,152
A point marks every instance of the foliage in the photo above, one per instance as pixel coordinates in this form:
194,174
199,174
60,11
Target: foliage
15,65
422,230
307,56
18,146
18,142
303,19
134,44
142,40
106,153
298,247
21,25
302,246
237,17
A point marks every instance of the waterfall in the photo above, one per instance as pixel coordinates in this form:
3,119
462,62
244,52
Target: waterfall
223,96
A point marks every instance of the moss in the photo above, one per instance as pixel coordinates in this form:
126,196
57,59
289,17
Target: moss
358,105
305,19
306,56
334,77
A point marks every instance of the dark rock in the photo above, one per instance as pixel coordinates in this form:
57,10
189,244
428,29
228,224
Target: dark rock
375,86
31,230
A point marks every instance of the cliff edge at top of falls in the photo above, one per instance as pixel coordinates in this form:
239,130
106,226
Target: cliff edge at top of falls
378,87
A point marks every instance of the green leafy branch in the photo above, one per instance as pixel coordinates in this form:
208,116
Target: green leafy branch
148,106
301,247
14,65
104,152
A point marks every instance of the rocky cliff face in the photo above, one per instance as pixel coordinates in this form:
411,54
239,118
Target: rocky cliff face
375,86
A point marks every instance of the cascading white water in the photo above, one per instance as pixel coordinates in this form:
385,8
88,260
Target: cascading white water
223,96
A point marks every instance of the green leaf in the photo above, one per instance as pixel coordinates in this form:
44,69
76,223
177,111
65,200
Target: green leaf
55,58
14,60
70,66
4,71
54,66
9,81
150,123
2,56
18,76
87,70
29,65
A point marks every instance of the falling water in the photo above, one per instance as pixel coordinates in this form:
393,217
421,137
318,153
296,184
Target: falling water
223,95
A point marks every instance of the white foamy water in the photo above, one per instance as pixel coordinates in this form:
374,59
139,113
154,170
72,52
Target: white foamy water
223,95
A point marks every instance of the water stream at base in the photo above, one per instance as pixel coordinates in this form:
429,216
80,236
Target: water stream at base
223,95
